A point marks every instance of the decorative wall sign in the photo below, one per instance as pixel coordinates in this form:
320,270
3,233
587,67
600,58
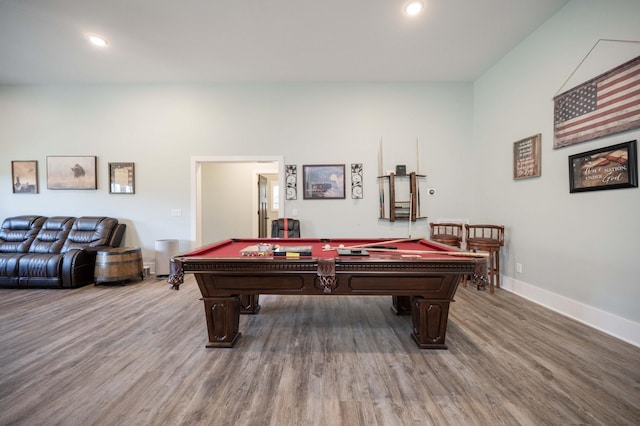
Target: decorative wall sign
612,167
356,180
71,172
323,182
24,175
121,178
526,157
291,180
602,106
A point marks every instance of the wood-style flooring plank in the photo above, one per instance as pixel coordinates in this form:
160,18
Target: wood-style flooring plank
135,354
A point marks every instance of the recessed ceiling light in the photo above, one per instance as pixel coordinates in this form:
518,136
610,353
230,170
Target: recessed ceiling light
97,40
413,7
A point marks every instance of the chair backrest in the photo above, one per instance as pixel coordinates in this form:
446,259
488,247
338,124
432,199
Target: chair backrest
453,229
52,235
447,233
90,231
17,233
485,232
285,228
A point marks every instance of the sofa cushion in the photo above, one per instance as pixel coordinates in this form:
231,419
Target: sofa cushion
40,265
17,233
52,235
9,264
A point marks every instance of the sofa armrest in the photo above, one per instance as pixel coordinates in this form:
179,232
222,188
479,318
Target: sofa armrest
78,267
117,235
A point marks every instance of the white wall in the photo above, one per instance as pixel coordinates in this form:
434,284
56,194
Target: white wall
579,251
160,128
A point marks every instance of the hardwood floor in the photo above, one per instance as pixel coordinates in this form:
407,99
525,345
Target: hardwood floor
135,355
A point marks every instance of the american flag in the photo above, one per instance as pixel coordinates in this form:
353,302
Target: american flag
607,104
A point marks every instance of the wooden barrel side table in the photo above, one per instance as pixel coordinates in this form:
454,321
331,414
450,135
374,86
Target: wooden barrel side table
118,264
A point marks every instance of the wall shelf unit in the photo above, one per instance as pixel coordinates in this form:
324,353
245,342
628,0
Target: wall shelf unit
400,197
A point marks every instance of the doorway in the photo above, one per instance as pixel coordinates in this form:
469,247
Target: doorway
208,207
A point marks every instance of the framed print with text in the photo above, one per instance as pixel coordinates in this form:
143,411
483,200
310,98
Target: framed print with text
526,157
612,167
121,178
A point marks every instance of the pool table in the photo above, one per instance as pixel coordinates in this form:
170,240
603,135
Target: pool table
421,276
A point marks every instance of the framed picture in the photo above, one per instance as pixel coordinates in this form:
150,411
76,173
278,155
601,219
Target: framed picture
356,181
78,172
24,176
611,167
121,178
526,157
323,182
602,106
291,179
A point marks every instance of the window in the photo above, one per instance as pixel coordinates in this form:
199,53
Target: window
275,196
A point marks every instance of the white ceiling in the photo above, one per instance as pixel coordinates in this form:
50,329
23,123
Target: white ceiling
183,41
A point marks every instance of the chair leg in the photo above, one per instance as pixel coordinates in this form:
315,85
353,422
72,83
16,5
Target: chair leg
492,271
497,256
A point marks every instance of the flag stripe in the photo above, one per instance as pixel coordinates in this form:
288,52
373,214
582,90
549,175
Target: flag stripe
626,116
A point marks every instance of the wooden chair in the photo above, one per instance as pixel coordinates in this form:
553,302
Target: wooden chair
447,233
487,238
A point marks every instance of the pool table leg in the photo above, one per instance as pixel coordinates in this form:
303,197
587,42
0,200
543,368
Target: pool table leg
223,319
429,322
249,303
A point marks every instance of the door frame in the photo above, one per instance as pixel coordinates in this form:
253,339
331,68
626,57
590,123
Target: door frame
196,186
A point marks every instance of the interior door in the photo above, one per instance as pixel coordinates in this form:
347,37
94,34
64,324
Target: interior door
263,207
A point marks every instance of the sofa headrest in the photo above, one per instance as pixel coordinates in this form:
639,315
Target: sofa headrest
58,223
23,222
88,223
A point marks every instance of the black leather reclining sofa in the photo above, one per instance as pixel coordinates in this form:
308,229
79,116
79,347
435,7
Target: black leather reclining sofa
54,252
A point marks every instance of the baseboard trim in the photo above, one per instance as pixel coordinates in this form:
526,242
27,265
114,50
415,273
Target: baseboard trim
606,322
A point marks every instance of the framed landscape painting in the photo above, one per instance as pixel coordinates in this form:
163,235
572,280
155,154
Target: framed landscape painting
323,182
77,172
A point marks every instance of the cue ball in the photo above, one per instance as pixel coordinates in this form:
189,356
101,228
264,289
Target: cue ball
341,246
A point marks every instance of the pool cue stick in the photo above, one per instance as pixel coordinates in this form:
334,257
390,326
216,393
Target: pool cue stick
417,158
410,212
447,253
378,243
380,180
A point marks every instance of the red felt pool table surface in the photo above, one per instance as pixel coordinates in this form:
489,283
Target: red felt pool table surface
233,247
421,276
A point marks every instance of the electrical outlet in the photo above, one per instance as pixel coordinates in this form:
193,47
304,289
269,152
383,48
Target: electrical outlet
519,268
176,212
